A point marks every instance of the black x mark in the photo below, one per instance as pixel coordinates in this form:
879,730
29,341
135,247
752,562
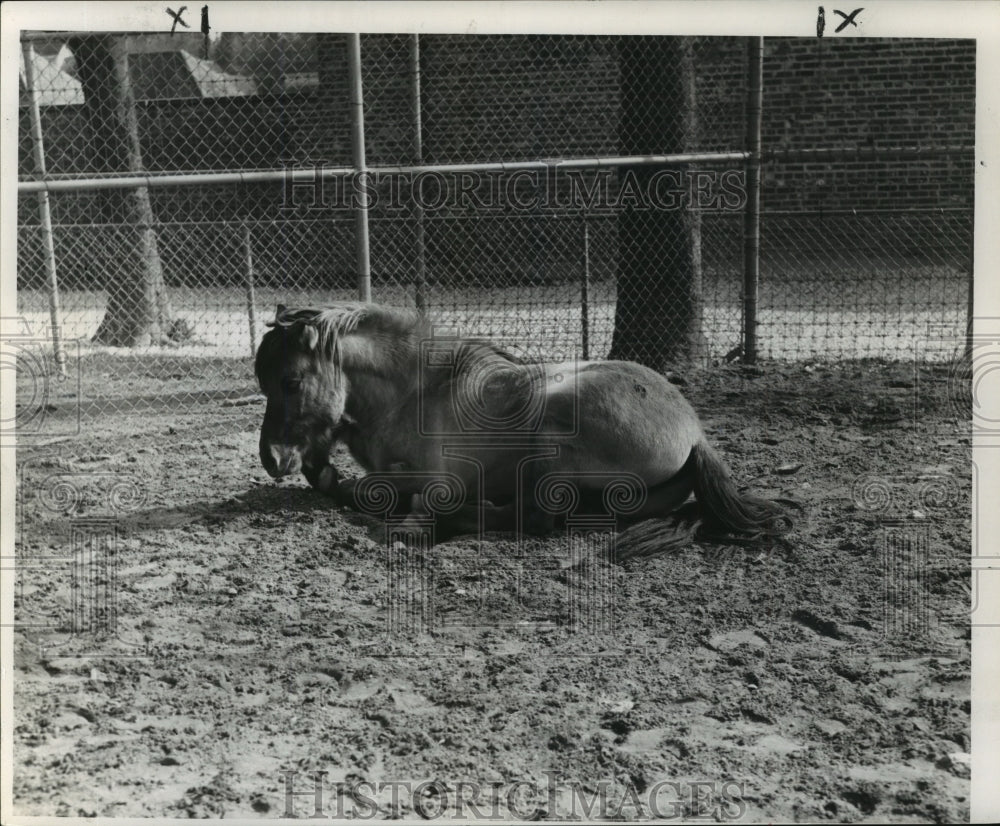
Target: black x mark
848,18
177,18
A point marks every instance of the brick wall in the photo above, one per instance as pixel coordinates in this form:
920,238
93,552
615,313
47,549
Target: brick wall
865,92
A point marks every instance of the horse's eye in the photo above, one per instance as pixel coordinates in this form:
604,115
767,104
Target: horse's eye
290,385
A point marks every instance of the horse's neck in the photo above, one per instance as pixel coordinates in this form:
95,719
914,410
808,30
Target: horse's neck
371,398
377,385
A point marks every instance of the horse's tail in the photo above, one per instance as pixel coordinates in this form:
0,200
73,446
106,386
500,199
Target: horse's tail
725,507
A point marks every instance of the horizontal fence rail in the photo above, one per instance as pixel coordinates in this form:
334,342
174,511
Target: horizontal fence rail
53,184
324,173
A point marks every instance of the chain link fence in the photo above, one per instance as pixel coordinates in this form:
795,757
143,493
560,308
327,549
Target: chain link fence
509,192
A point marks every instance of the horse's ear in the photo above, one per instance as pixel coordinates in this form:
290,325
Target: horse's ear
310,336
278,316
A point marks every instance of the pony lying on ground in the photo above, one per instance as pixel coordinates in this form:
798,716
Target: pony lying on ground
518,446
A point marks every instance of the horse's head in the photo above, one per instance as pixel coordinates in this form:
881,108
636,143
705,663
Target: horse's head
298,369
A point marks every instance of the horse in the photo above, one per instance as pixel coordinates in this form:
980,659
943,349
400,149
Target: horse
516,439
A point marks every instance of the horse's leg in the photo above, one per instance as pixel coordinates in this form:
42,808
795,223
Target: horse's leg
665,497
482,517
329,483
660,500
521,512
344,493
535,520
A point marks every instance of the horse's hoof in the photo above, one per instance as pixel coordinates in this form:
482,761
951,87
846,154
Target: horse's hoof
327,481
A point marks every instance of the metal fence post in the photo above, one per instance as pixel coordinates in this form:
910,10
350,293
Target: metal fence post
360,168
970,311
418,157
585,293
251,298
751,216
44,213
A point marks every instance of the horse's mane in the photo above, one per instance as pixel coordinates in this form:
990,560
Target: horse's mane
331,322
334,321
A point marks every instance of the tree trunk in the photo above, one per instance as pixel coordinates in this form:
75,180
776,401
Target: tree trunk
138,312
658,316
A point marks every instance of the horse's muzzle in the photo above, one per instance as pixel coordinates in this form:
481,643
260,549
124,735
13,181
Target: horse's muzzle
279,462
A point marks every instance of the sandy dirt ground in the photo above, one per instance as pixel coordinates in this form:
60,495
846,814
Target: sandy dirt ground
251,643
